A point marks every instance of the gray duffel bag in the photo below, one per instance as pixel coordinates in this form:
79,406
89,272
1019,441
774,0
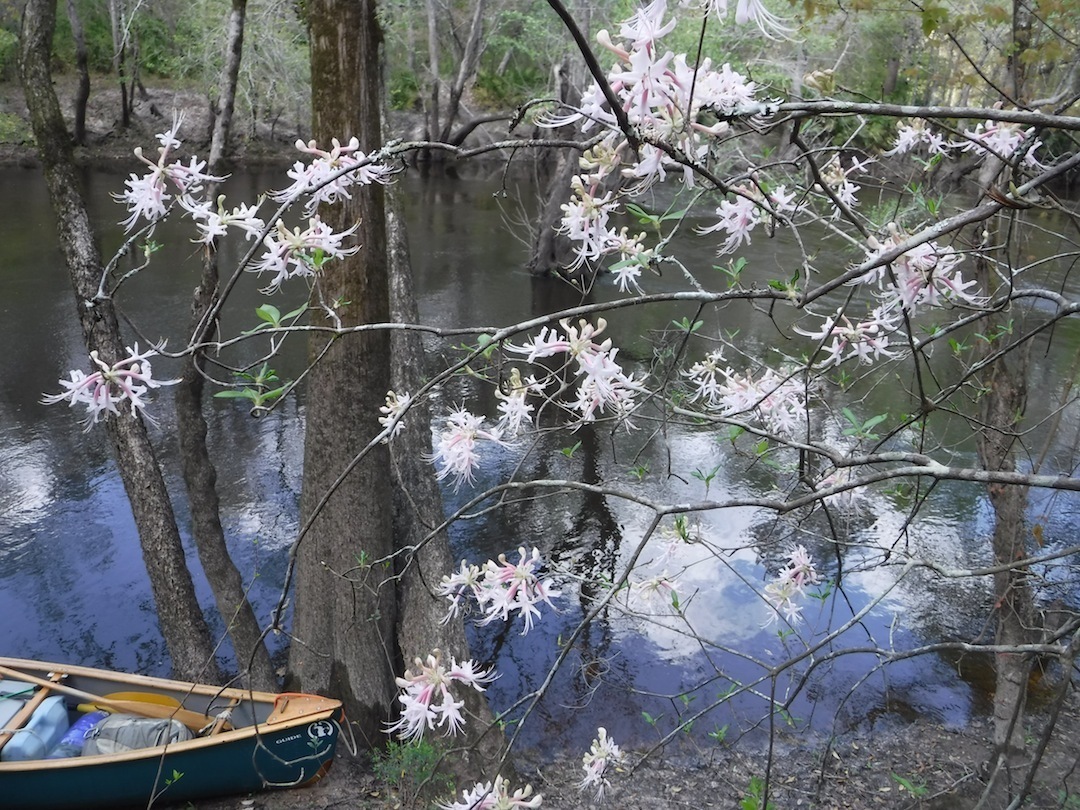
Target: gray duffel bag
120,733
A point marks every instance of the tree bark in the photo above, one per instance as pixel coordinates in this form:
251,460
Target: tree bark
200,476
82,64
418,509
466,68
230,73
1002,405
343,627
119,38
431,104
182,623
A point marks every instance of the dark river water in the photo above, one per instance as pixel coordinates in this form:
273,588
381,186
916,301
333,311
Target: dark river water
73,587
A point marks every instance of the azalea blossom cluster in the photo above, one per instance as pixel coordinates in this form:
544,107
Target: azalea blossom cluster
501,588
495,796
426,698
295,252
456,451
779,401
790,584
738,217
867,340
838,179
1002,139
147,197
926,274
602,755
124,382
669,104
603,386
289,252
330,174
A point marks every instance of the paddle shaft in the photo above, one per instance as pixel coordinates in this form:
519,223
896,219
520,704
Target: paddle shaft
193,720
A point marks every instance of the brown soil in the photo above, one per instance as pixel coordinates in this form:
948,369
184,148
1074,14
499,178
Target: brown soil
920,765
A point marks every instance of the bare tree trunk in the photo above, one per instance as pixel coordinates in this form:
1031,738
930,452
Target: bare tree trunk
431,112
552,250
1021,44
230,72
1003,402
466,68
343,627
119,38
82,63
182,623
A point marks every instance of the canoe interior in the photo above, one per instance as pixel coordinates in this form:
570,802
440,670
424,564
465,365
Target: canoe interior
273,741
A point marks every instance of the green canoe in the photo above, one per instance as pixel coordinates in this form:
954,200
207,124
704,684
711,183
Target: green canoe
244,741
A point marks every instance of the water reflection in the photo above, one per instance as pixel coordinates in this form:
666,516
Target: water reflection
72,585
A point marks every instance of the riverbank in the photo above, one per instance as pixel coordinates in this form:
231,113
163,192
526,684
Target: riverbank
904,765
109,143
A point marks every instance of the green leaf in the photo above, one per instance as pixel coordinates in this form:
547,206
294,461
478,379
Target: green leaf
270,314
237,393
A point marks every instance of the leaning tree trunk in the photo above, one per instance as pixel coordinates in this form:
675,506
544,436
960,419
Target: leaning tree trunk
431,99
343,627
470,58
200,476
182,623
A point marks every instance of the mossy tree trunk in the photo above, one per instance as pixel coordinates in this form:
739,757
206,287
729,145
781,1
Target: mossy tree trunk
344,621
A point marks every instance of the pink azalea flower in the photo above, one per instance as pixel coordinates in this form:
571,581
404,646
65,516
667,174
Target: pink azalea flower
147,196
513,407
867,340
790,584
316,179
101,391
455,451
496,796
393,412
296,252
500,588
602,755
426,698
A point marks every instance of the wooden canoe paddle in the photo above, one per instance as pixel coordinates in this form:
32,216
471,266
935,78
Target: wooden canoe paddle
192,719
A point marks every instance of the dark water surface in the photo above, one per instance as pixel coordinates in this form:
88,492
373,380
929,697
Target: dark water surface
73,587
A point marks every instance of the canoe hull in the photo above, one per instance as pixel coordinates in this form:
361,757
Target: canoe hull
276,750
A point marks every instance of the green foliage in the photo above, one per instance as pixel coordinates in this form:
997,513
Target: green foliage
9,54
14,130
512,87
915,789
754,798
860,429
411,767
403,90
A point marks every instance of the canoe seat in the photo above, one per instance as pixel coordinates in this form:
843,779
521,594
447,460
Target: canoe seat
221,722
